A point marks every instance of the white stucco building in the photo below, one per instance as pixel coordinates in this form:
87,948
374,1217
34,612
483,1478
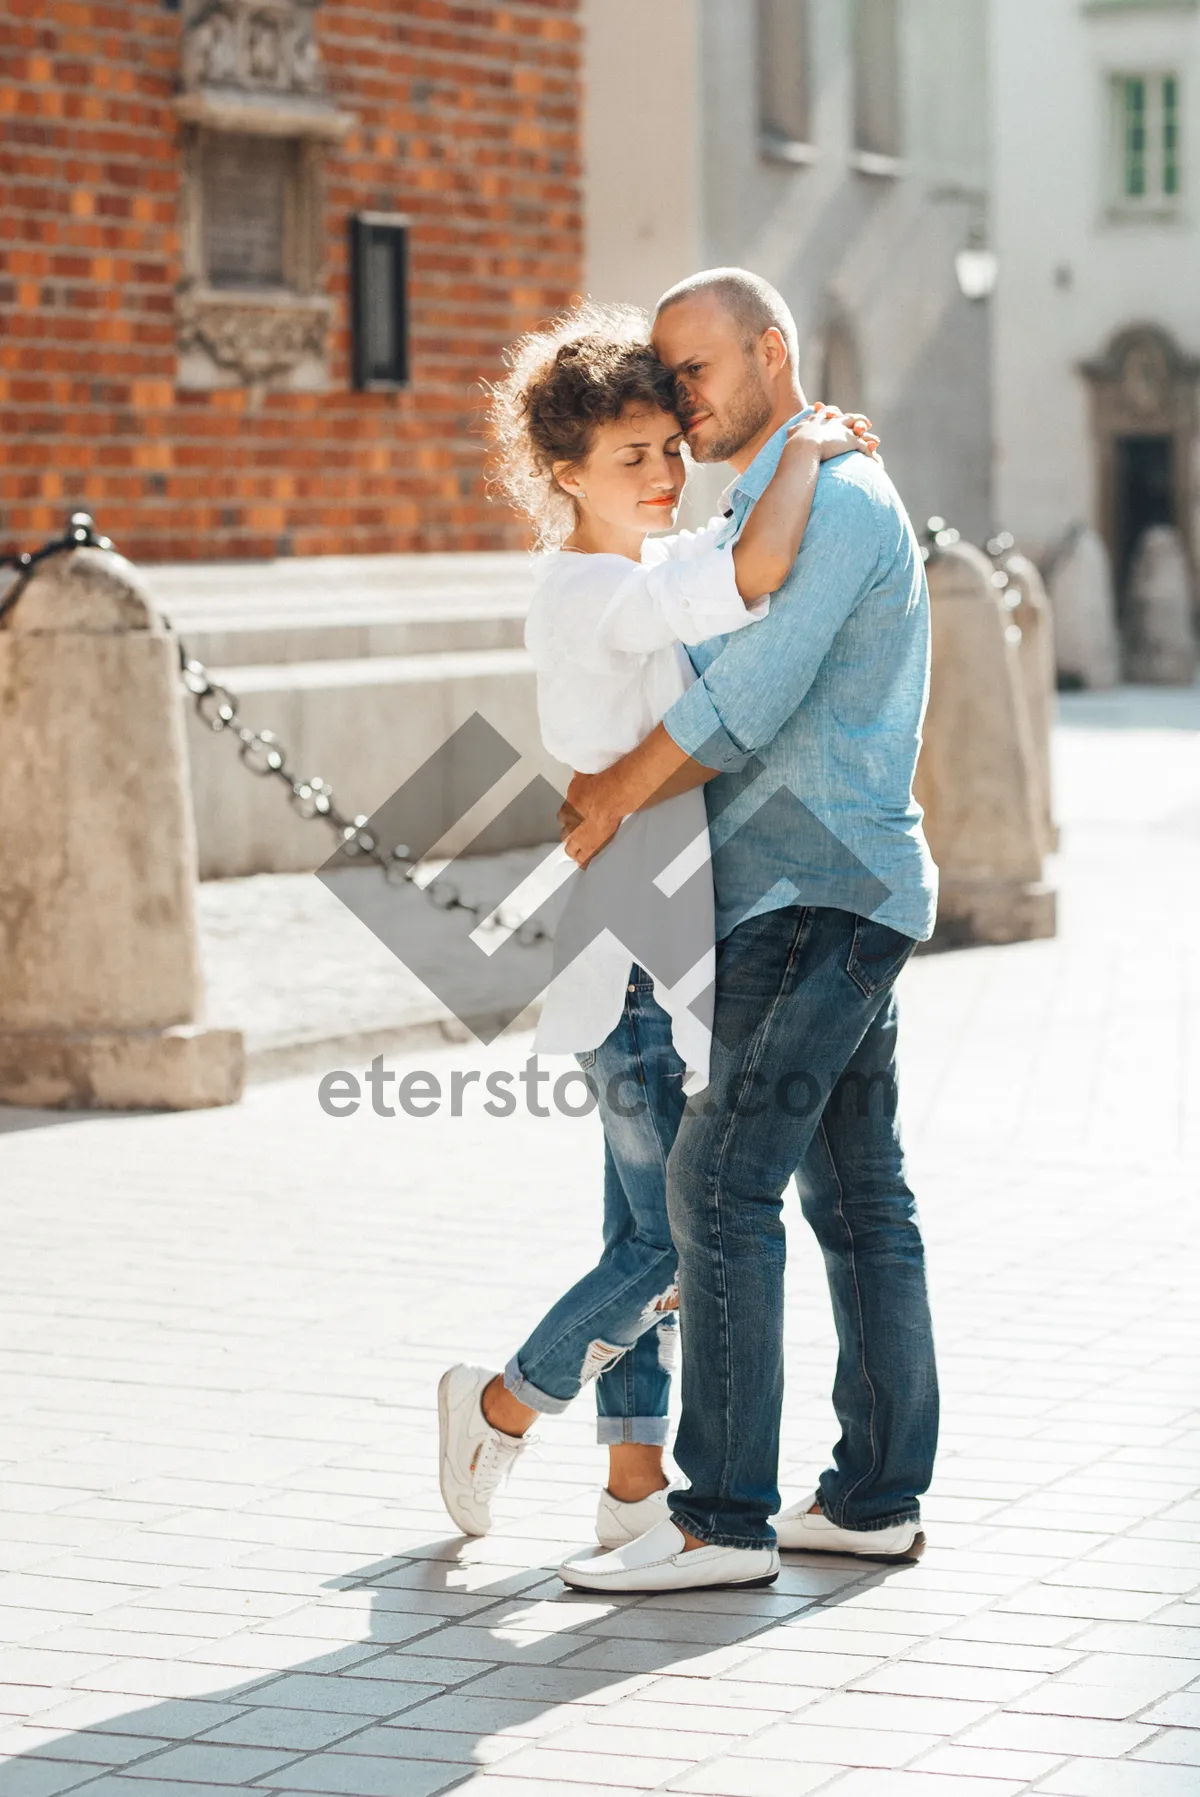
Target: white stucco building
1096,188
852,150
838,147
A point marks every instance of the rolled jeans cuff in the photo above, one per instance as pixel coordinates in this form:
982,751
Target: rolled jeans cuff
612,1431
892,1521
522,1389
708,1531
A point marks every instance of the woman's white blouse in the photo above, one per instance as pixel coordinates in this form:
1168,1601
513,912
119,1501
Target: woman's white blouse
605,637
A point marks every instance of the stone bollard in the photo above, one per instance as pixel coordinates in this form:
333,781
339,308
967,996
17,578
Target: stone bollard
1087,646
1162,642
976,777
1033,617
102,986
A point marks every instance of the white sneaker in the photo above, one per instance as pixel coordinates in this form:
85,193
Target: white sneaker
803,1530
657,1561
474,1459
618,1522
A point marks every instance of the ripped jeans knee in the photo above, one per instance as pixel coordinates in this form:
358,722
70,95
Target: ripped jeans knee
601,1355
658,1307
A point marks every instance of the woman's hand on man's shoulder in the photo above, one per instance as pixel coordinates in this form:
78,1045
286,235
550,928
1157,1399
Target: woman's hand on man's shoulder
833,432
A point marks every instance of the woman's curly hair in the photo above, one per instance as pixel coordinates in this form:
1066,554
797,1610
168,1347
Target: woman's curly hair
582,371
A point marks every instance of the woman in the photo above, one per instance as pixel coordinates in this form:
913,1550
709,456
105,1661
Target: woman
590,449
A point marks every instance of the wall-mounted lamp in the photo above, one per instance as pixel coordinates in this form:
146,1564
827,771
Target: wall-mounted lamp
978,270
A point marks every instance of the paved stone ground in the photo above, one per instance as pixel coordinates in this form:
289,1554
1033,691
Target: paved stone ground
222,1557
293,968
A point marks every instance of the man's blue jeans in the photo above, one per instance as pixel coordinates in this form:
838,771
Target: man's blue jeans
617,1324
803,1078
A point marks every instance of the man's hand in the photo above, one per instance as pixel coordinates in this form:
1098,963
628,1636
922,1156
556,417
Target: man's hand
581,793
594,834
657,769
596,820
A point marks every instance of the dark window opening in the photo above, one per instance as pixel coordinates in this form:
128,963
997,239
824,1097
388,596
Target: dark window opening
1145,496
379,278
841,369
877,127
784,91
246,197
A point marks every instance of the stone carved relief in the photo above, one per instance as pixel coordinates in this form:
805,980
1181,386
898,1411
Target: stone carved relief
252,68
1143,378
1144,386
263,46
307,72
211,52
256,341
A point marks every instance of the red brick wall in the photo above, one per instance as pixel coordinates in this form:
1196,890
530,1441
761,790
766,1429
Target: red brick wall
467,120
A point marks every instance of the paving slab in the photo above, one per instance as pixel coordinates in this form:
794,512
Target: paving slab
223,1558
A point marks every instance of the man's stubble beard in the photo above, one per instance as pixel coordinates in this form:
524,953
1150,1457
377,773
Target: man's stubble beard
749,411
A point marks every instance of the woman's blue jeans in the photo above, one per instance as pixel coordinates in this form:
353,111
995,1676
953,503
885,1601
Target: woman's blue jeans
617,1325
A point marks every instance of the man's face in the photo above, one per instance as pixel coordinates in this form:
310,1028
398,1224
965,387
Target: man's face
724,397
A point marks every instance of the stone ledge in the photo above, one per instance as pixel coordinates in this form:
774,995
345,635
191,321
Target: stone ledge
332,607
262,114
184,1068
974,912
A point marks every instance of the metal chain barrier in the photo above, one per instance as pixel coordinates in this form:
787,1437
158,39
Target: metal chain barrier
940,535
79,534
937,535
262,754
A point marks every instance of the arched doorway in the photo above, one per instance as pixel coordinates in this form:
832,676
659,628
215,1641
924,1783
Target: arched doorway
1144,421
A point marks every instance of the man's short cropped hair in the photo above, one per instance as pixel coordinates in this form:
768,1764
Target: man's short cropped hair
748,299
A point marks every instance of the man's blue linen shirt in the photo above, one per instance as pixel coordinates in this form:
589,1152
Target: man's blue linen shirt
813,715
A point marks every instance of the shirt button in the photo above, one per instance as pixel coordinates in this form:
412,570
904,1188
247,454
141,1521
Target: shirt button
631,988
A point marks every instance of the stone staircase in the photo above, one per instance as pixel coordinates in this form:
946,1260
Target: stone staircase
362,666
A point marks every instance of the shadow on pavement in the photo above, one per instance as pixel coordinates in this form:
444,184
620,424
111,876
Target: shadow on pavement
15,1117
1132,708
465,1664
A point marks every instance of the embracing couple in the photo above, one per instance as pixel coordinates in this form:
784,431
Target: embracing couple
771,760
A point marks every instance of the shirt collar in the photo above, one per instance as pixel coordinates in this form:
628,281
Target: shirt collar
753,483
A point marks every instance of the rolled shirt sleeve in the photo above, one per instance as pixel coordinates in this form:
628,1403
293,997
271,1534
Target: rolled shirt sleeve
760,678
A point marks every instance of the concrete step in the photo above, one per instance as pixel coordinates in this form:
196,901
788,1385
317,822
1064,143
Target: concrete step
362,666
340,607
365,725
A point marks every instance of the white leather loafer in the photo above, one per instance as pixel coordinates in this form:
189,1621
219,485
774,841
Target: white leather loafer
803,1530
618,1521
659,1561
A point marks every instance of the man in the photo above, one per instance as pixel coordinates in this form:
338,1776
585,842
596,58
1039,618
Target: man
808,728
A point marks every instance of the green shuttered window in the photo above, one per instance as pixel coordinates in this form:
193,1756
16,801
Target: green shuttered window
1147,132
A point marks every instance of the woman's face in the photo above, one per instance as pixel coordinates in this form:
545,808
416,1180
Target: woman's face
633,476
